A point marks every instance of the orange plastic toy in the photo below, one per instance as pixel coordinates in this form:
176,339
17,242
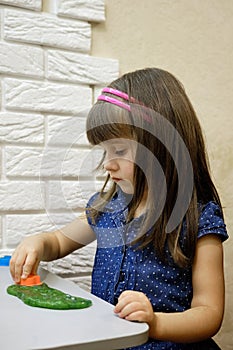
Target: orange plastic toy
31,280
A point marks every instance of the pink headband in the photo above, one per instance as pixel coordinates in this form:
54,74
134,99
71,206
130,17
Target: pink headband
116,93
114,100
118,102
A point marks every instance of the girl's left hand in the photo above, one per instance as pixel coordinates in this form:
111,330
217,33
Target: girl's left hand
135,306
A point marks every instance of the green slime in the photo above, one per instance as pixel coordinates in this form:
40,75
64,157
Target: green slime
46,297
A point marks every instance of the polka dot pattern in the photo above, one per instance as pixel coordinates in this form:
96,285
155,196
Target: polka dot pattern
120,266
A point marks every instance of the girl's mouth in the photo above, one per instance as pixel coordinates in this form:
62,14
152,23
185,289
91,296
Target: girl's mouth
116,179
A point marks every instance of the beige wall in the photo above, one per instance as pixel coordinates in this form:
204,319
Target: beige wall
193,40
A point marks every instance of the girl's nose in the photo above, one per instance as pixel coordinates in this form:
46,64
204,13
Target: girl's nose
110,164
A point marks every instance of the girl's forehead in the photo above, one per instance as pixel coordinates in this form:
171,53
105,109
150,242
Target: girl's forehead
116,141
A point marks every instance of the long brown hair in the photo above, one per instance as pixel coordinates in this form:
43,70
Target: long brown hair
162,106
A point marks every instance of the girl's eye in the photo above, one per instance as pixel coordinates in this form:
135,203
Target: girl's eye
121,152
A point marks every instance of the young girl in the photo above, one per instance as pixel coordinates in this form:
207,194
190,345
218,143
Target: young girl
158,220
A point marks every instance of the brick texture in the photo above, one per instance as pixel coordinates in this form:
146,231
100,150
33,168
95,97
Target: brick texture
17,196
46,30
46,97
80,68
21,128
30,60
35,5
87,10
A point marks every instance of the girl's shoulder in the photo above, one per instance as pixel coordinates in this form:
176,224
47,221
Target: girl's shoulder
93,199
211,221
118,201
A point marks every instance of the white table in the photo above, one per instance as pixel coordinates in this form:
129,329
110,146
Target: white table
23,327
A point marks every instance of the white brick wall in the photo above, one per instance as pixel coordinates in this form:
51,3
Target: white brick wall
74,67
92,10
19,128
30,60
45,96
35,5
48,81
47,30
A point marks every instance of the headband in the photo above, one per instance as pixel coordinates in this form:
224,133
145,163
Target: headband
118,102
116,93
114,100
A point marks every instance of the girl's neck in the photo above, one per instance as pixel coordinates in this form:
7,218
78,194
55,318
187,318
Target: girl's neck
141,209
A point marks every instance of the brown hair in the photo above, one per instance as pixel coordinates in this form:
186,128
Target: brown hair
163,100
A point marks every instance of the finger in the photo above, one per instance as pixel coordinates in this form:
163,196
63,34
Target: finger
136,316
120,305
12,264
125,294
130,308
125,298
35,267
29,265
16,266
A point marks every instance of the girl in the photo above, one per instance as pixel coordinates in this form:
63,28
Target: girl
158,219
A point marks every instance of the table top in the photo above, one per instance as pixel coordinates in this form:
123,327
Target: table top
23,327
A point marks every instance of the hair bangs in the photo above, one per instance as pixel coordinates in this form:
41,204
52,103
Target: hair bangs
106,121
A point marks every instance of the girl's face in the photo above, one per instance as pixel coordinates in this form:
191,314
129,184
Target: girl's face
119,162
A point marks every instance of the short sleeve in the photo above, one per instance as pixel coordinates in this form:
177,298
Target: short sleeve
211,222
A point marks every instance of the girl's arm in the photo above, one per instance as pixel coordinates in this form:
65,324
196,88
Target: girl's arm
49,246
204,318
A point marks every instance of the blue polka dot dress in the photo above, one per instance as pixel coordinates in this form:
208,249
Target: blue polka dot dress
119,266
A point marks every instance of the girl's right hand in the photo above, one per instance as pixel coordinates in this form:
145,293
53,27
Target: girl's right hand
48,246
26,257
